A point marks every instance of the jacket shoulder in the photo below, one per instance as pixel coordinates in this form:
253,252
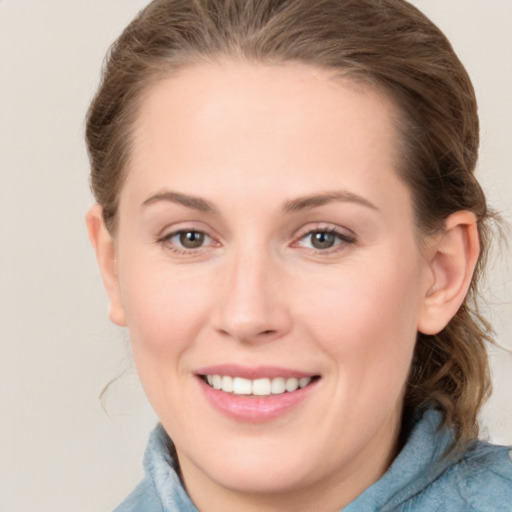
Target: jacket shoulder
484,478
142,499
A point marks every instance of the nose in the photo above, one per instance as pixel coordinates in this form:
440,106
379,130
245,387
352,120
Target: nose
252,304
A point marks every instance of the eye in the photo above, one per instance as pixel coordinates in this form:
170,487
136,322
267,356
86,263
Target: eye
186,240
190,239
322,239
325,239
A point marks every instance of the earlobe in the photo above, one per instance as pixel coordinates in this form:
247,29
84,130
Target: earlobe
105,254
452,258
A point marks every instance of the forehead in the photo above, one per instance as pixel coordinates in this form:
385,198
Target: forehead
245,122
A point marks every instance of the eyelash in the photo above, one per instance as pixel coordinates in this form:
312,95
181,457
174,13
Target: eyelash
167,242
340,243
341,239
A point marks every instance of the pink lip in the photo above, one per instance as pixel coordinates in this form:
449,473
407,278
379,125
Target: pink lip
251,409
255,372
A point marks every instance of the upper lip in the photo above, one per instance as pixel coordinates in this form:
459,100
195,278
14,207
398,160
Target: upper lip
253,372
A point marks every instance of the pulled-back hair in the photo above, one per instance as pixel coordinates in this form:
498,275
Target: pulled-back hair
386,44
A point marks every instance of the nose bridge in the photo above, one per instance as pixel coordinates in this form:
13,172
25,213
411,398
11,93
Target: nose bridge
251,306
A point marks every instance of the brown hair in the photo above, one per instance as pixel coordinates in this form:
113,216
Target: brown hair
388,44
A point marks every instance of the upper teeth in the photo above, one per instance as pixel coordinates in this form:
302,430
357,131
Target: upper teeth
260,387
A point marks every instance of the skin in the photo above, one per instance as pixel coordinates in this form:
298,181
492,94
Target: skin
252,142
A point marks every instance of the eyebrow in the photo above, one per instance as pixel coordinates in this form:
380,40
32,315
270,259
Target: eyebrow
195,203
301,203
313,201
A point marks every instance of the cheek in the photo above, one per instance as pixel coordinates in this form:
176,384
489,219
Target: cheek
367,320
164,316
164,310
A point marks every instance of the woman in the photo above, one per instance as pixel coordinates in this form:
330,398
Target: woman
289,225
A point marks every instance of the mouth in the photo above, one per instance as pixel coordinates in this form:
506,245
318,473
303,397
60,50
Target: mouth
256,394
261,387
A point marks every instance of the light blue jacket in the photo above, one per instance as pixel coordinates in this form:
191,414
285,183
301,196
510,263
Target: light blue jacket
419,480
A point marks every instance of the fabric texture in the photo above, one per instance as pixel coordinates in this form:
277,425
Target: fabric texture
423,478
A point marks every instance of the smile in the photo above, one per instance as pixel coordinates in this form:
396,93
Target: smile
257,387
256,394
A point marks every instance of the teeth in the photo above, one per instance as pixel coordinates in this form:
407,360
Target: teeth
304,382
261,387
292,385
278,385
217,382
242,386
227,384
257,387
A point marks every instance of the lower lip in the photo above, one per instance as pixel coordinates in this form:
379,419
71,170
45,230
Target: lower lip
252,409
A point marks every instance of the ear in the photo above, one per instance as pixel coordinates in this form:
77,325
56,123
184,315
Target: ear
452,257
105,254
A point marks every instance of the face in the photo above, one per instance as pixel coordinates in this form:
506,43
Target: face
268,270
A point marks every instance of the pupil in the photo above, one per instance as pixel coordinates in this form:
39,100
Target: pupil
322,240
191,239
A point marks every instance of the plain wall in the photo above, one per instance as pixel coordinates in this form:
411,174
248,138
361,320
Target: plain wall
59,450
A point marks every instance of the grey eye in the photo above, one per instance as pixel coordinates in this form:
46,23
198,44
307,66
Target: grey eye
322,239
191,239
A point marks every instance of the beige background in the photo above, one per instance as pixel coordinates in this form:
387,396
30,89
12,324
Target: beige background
59,450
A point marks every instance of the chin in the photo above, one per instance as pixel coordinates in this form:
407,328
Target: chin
259,468
268,478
